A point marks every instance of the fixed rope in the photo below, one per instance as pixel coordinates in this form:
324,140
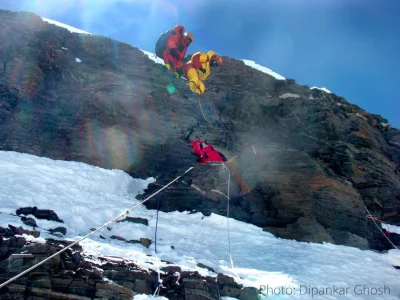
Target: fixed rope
227,215
380,229
228,195
120,216
201,109
157,291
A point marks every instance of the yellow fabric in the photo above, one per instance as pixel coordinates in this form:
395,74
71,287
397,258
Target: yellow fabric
168,66
194,82
196,77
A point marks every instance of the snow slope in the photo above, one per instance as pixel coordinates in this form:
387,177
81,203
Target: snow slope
322,89
70,28
86,197
256,66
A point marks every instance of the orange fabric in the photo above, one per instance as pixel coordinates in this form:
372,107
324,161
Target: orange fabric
177,42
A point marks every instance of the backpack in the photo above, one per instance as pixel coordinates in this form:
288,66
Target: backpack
162,40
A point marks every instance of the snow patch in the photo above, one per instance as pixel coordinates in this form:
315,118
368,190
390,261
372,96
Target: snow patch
148,297
385,124
64,48
391,228
289,95
322,89
77,60
256,66
68,27
30,238
360,116
153,57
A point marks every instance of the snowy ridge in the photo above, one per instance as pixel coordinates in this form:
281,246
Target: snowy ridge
86,197
70,28
153,57
256,66
322,89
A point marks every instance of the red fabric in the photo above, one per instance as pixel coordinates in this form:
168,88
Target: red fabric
196,61
177,42
206,154
186,68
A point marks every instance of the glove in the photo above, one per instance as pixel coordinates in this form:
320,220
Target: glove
177,75
174,53
168,66
203,70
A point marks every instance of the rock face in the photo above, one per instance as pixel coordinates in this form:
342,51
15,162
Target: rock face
303,163
74,275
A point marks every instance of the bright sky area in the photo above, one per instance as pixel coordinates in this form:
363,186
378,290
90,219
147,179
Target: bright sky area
86,197
350,47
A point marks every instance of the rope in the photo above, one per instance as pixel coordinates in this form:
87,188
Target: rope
228,203
198,99
123,214
387,233
227,215
380,229
155,249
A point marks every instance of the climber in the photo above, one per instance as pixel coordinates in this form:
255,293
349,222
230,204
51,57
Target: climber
206,152
199,68
172,46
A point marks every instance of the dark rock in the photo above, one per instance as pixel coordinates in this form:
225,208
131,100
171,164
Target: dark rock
145,242
141,287
196,289
76,256
290,81
249,293
229,291
224,279
136,220
47,214
60,231
200,265
117,237
171,269
26,210
29,221
190,274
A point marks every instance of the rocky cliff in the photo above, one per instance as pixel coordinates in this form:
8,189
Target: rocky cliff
303,162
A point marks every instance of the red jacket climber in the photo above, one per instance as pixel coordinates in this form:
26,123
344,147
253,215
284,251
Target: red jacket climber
173,46
206,152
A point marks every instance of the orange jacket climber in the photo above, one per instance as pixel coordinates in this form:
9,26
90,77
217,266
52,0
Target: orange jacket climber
172,47
199,68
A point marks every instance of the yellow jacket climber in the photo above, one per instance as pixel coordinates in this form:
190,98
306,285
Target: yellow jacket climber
199,68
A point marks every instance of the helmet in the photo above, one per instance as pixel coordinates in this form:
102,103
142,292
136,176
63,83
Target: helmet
190,36
216,61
